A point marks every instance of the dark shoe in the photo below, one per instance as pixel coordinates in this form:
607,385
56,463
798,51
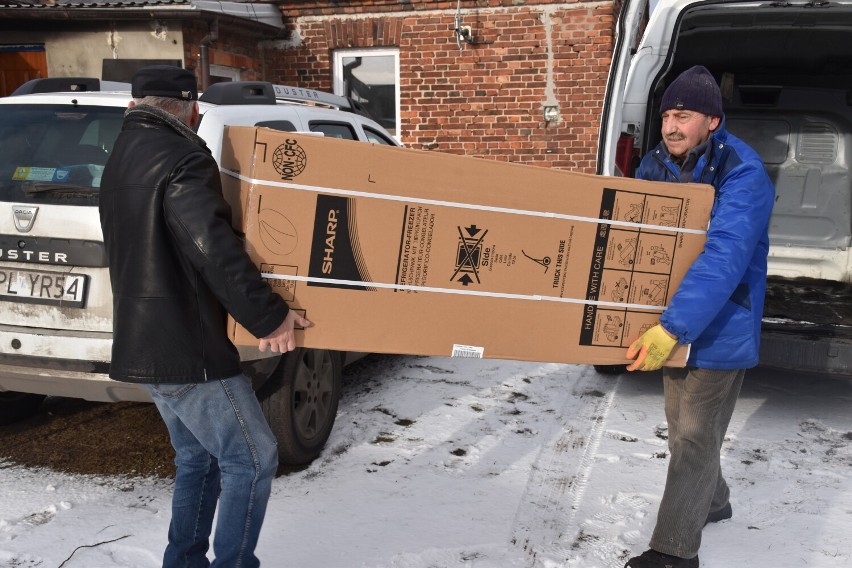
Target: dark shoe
653,559
722,514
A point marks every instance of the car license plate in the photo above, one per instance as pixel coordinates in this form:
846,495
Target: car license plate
36,287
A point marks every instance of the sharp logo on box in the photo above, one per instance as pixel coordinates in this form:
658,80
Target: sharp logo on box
335,252
330,232
289,159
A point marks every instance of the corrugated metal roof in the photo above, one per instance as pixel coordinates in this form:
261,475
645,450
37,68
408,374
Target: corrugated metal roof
117,3
266,14
88,4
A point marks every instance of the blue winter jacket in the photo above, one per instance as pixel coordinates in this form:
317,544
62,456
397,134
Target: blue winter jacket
719,304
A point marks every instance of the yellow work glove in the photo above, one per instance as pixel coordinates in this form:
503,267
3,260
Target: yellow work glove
651,349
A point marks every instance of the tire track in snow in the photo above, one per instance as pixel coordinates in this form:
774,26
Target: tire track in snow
545,522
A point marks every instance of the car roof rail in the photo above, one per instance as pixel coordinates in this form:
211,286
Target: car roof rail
239,93
59,85
286,93
70,85
263,93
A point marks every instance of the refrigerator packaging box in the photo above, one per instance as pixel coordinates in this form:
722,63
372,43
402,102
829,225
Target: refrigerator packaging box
394,250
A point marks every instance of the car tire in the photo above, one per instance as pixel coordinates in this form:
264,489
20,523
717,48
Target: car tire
300,402
611,369
15,406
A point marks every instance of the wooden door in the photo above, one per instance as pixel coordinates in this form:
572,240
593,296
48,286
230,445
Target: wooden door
19,64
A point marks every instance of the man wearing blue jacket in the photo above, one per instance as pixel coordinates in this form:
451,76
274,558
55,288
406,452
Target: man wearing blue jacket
716,311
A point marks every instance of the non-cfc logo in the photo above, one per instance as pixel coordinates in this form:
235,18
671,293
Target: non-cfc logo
289,159
24,216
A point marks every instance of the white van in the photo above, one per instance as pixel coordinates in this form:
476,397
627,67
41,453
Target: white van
785,71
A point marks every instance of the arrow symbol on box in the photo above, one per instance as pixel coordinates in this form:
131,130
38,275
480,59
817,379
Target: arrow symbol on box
472,230
465,280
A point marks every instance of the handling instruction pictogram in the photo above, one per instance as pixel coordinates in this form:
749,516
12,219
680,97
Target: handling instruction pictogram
631,266
544,261
469,255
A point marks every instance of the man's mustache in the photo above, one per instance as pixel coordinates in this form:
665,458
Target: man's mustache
675,137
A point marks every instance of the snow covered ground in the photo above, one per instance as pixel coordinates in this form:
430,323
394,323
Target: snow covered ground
489,464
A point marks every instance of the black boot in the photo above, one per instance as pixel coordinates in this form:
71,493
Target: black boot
653,559
721,515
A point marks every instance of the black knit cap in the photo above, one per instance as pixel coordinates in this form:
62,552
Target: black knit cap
164,81
694,89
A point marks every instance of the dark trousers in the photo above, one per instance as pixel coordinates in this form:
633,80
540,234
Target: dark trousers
699,404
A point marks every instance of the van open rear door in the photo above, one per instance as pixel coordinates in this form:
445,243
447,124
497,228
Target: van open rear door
627,32
637,64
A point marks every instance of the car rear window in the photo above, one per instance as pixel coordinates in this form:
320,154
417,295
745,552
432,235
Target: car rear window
55,153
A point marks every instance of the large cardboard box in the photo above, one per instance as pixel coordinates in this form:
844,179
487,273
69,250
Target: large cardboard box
403,251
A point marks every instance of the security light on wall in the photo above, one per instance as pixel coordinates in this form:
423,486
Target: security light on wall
551,113
463,33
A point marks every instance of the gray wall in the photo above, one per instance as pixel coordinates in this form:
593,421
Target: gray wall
81,52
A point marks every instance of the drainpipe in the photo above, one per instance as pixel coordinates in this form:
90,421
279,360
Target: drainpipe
206,41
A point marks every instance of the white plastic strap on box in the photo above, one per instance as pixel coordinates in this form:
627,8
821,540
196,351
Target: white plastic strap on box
411,288
354,283
354,193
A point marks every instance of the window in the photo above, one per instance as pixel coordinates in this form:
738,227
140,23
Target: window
283,125
222,74
376,137
371,77
55,153
333,130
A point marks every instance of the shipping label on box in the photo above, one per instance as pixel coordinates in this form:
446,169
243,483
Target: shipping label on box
402,251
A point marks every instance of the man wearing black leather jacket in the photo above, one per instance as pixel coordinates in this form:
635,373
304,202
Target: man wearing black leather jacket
177,269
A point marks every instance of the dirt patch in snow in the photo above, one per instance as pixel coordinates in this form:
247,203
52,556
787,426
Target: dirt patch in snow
78,436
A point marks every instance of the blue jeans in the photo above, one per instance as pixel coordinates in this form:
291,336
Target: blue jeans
225,451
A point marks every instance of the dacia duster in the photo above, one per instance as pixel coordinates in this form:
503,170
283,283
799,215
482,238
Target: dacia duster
55,298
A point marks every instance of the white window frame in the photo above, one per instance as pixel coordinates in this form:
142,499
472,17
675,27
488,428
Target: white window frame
340,54
232,73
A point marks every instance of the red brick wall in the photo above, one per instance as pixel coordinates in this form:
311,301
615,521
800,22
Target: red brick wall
234,47
486,100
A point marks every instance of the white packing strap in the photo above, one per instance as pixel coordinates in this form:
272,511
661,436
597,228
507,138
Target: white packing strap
353,283
354,193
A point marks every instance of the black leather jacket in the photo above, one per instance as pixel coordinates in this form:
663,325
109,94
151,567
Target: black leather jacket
176,265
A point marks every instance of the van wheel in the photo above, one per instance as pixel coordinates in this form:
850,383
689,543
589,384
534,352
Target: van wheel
15,406
611,369
300,402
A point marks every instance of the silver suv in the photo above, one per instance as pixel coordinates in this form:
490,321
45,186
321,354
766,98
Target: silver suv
55,299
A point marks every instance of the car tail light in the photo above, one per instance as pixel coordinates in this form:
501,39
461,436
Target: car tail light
626,156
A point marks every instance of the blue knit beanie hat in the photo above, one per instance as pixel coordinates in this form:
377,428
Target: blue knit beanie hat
694,89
